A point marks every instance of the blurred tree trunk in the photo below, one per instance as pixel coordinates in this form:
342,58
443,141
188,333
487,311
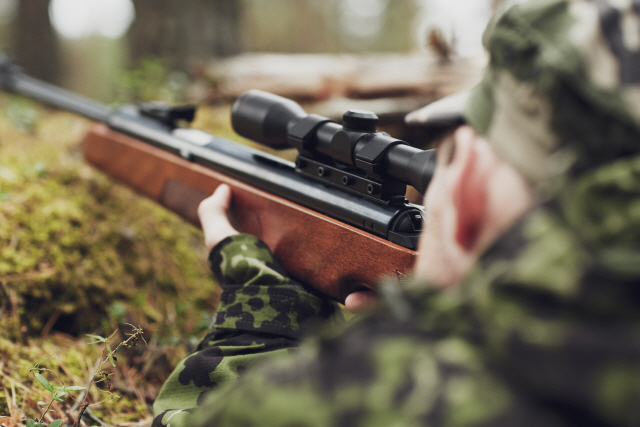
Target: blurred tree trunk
35,44
181,31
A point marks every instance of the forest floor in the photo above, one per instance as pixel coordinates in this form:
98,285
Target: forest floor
81,254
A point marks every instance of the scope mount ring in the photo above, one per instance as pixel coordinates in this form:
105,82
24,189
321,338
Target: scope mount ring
385,192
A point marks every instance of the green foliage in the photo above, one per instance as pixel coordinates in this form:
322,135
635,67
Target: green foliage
98,375
150,80
58,392
49,376
83,252
70,363
23,113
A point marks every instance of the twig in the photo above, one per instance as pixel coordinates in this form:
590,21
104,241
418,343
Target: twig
81,413
22,386
98,368
52,321
13,394
89,413
82,395
85,403
46,411
81,398
33,275
11,300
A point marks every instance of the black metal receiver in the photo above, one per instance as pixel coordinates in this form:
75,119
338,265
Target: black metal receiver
350,173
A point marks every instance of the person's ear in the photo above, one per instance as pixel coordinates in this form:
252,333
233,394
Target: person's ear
469,188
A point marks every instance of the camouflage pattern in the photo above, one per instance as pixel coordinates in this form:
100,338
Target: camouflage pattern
545,331
261,312
564,77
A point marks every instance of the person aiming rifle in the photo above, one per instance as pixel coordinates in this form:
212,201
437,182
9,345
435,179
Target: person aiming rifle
524,307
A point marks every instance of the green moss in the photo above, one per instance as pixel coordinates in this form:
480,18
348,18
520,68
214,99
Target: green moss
72,361
80,253
72,242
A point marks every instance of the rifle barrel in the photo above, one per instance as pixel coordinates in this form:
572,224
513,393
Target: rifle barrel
15,81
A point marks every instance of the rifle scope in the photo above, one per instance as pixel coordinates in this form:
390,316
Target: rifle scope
353,154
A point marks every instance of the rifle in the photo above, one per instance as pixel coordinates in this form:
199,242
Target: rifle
337,219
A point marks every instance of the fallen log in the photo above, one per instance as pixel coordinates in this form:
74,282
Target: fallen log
319,77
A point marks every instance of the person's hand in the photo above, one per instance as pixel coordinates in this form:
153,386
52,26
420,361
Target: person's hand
216,225
362,302
214,217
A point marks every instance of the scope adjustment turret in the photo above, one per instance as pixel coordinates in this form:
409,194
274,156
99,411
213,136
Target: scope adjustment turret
360,121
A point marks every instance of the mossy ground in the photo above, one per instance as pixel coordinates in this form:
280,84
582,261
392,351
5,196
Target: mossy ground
81,254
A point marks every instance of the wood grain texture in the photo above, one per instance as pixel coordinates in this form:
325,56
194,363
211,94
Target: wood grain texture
332,257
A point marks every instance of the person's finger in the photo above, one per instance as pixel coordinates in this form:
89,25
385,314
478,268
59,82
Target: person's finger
214,216
362,302
217,203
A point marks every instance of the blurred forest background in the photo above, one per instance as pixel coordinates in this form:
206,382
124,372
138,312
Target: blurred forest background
81,254
77,43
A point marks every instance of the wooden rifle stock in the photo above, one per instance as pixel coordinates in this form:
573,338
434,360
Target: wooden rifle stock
334,258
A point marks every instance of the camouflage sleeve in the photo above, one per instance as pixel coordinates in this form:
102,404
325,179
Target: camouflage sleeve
376,373
261,313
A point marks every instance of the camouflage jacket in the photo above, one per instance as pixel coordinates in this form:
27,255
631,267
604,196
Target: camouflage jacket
261,312
544,331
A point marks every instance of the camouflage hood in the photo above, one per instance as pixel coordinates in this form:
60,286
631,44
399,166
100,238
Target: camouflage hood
561,92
